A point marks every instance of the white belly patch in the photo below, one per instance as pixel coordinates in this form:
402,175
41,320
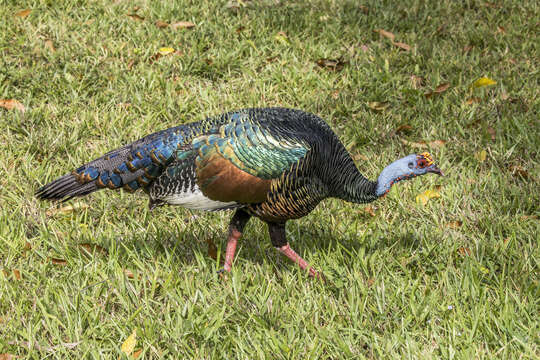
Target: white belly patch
195,200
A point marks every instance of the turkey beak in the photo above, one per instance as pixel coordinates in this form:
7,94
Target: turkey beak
434,169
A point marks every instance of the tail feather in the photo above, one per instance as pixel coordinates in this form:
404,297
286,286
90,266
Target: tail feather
130,167
65,188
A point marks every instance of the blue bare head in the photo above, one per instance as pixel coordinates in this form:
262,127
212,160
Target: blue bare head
405,168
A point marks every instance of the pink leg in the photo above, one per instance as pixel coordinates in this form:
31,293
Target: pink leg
231,249
291,254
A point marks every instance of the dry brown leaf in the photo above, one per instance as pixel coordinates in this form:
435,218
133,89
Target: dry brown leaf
67,209
386,34
454,224
417,81
440,29
467,48
5,272
136,8
330,64
364,9
437,143
49,45
358,157
94,249
183,25
402,46
11,104
60,262
438,90
491,131
7,356
17,274
136,354
472,100
161,24
369,210
519,171
370,282
240,29
212,249
335,94
403,129
527,217
423,144
464,251
500,30
136,17
129,274
491,5
378,106
23,13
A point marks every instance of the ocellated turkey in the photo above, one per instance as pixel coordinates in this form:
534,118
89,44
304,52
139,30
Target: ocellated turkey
276,164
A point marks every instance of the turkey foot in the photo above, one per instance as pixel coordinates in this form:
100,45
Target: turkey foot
279,240
291,254
238,221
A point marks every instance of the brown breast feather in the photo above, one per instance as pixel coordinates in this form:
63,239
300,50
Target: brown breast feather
221,180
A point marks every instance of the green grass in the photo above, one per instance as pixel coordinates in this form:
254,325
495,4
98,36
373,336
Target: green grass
404,283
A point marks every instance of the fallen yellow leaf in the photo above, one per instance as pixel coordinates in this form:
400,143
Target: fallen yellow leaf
165,50
129,345
481,155
67,209
483,81
11,104
378,106
281,37
424,197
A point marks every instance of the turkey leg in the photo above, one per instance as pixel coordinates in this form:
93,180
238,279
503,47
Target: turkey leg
279,240
236,227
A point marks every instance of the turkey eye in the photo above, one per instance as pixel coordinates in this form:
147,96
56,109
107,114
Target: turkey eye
411,165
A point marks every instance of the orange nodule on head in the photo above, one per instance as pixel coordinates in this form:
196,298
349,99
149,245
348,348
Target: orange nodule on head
427,156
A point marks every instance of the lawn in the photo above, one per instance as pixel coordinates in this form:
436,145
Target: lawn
454,278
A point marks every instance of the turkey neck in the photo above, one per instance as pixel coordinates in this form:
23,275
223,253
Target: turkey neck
346,182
